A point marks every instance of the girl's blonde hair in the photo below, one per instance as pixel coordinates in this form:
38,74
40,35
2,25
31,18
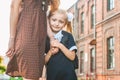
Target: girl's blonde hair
61,11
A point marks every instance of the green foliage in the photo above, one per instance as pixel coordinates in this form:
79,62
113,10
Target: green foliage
1,59
2,69
16,78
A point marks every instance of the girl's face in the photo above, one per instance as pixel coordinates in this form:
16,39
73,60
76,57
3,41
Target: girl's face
57,22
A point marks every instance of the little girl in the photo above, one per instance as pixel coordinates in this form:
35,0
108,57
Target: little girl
60,54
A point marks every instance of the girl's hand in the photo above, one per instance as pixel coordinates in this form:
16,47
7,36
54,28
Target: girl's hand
54,47
55,43
54,50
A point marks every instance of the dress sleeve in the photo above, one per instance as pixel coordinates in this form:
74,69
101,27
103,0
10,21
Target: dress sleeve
47,46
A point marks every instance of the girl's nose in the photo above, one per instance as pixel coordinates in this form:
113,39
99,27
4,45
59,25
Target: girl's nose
57,23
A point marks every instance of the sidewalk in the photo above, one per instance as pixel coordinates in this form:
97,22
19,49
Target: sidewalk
4,77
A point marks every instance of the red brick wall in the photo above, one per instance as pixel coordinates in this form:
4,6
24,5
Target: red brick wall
107,24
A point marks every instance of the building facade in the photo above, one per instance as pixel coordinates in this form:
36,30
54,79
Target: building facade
96,27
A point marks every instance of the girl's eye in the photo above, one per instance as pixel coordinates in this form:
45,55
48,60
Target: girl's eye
53,19
61,21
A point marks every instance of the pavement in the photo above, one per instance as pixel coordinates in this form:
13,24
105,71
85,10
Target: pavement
4,77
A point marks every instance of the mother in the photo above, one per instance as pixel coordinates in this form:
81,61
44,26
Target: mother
27,37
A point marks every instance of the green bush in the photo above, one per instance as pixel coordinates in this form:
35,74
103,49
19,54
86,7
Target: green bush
2,69
16,78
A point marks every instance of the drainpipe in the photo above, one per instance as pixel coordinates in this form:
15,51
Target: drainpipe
95,20
95,36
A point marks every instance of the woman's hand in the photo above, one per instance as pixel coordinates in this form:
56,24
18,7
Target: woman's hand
54,4
11,48
42,78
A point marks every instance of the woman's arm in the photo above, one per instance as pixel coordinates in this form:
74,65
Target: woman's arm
14,14
51,52
43,73
48,56
54,5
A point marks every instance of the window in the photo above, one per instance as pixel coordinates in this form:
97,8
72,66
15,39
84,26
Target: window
92,60
92,16
110,4
110,53
82,22
81,62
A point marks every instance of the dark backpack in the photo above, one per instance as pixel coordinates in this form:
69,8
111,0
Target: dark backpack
75,62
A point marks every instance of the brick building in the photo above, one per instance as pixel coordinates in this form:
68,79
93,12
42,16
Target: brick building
96,27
